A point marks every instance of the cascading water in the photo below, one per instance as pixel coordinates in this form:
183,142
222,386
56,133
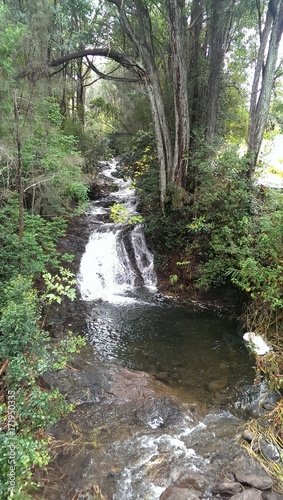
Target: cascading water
191,350
116,259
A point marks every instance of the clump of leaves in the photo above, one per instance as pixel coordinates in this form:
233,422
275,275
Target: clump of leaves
59,285
119,213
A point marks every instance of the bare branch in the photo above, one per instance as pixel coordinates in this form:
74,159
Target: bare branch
39,182
113,78
101,52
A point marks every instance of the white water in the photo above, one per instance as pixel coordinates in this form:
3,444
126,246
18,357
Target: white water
170,452
117,260
115,267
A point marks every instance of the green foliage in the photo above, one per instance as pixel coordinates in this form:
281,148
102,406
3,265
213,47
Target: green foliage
19,319
173,278
10,33
51,163
38,247
28,351
166,232
119,213
258,270
69,345
59,285
219,215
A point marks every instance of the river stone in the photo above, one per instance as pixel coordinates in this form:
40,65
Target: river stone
249,472
247,495
162,376
268,450
158,412
248,435
173,493
228,488
217,385
191,478
257,481
271,495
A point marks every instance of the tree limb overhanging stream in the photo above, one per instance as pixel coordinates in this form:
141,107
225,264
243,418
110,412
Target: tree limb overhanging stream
166,389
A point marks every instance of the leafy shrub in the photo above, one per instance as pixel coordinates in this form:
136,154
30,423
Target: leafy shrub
27,349
38,248
219,215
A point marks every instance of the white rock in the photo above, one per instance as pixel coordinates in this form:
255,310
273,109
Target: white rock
257,343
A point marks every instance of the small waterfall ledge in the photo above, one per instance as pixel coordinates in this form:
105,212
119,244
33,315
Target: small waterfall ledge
117,260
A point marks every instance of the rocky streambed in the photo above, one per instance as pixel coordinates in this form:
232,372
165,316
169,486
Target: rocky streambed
133,437
144,428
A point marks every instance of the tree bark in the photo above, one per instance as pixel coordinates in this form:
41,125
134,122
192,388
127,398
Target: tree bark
221,11
178,171
263,80
20,186
195,104
142,39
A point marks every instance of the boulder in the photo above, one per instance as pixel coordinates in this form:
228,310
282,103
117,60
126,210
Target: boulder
158,412
174,493
228,488
269,450
261,482
271,495
191,478
247,495
250,473
217,385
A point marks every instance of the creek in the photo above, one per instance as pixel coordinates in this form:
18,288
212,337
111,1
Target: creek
193,354
189,347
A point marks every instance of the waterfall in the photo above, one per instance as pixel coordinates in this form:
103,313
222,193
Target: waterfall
117,260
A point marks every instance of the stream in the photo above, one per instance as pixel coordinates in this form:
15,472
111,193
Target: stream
187,377
189,347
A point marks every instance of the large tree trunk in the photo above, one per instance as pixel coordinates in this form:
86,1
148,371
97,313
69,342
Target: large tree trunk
264,76
142,38
221,11
195,104
162,134
178,171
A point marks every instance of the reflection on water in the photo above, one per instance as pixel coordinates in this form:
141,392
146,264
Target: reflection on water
189,348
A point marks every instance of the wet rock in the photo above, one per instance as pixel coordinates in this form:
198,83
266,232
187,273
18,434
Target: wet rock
228,488
191,478
261,482
173,493
271,495
247,495
249,472
159,412
217,385
268,450
80,387
163,376
248,435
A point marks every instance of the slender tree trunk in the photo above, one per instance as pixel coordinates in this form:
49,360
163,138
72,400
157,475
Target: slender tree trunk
221,11
80,92
162,135
178,171
194,64
263,80
20,186
142,39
